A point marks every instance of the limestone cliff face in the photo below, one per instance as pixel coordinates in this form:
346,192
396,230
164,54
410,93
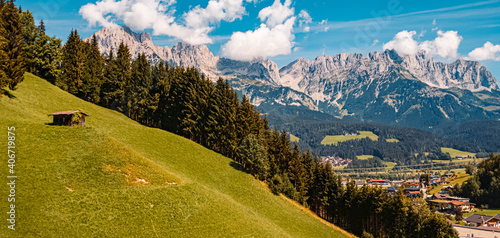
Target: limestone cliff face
187,55
312,76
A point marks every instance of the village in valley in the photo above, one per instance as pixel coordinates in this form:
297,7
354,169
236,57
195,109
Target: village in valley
460,211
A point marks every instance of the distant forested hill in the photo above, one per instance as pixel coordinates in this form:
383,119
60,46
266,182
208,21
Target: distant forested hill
486,134
406,143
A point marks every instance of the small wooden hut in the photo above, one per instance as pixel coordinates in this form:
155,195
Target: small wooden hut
69,118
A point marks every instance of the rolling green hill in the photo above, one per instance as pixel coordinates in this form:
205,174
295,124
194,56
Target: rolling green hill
117,178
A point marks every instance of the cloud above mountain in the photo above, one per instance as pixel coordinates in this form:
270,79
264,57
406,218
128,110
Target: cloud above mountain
273,37
159,16
487,52
444,45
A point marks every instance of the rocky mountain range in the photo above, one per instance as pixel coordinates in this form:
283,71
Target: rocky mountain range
383,87
186,55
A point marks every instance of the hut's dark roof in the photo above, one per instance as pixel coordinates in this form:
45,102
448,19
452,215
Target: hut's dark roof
68,113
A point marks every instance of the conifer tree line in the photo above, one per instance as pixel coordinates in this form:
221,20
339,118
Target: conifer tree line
483,188
185,102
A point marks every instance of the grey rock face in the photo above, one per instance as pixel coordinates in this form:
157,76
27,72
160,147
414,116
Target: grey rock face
187,55
310,76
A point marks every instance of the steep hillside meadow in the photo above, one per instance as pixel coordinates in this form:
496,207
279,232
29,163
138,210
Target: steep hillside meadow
116,178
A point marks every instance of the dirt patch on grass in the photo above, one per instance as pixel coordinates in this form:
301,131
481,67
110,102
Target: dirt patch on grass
140,181
317,217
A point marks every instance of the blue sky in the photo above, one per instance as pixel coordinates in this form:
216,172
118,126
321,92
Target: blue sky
288,29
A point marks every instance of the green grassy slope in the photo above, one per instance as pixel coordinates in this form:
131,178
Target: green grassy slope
454,153
294,138
334,140
115,178
364,157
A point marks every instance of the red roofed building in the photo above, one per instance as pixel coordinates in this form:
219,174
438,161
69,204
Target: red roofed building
375,182
463,206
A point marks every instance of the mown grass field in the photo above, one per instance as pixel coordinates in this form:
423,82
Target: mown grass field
334,140
488,212
460,178
364,157
294,138
390,165
425,153
339,167
117,178
454,153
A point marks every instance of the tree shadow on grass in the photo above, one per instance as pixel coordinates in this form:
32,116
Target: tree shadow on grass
237,166
8,94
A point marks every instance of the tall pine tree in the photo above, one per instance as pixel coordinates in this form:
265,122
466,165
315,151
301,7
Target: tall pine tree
73,65
123,77
140,84
111,87
30,32
47,55
3,45
95,72
12,52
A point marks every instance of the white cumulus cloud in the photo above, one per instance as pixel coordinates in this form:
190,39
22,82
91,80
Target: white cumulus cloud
158,15
273,37
487,52
403,43
277,13
215,12
261,43
445,44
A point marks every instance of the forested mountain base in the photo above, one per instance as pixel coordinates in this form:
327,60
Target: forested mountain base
412,146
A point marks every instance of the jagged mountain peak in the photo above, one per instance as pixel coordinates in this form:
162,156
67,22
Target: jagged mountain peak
140,37
301,73
188,55
109,38
464,74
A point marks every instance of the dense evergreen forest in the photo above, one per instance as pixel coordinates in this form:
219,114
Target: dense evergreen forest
484,186
184,102
482,133
409,150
